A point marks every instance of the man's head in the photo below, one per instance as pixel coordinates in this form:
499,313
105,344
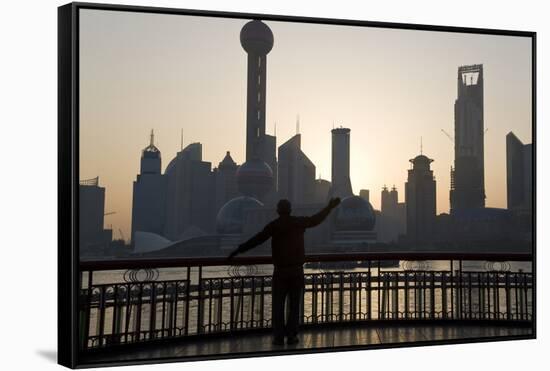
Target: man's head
284,207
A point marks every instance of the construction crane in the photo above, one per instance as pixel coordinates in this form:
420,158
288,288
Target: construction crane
448,135
109,213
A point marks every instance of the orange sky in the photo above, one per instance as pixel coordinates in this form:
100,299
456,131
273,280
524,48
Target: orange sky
390,87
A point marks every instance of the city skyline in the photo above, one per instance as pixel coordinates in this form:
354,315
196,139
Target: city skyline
372,162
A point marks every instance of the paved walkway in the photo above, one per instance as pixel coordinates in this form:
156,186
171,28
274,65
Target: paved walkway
310,338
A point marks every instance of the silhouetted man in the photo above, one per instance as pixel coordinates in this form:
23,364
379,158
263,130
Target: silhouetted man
287,250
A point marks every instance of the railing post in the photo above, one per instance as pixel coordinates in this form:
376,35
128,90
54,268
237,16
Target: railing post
340,297
406,294
187,299
87,309
432,295
444,312
369,292
460,291
199,304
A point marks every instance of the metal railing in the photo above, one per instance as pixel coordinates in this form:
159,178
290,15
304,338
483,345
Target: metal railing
140,306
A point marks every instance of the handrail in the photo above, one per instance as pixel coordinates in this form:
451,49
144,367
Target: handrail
144,263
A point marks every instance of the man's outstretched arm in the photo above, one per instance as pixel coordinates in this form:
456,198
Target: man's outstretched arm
254,241
315,220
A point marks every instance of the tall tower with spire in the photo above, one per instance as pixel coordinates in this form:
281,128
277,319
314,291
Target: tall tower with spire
257,176
420,198
150,157
148,198
257,41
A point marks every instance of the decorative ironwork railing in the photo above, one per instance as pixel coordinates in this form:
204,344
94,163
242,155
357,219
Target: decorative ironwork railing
142,306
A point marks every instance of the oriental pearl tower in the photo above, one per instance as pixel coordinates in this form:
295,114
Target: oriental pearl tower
256,177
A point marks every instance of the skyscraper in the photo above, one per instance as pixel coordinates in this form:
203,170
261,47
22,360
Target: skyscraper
190,190
420,200
148,198
341,183
468,174
93,239
226,181
296,173
519,178
392,215
257,40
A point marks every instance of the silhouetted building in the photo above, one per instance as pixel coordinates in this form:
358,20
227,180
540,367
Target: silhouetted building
420,199
365,194
257,40
341,183
148,197
468,174
225,178
519,173
93,239
392,222
296,173
321,191
189,193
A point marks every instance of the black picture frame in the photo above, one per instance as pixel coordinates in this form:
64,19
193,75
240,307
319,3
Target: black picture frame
68,172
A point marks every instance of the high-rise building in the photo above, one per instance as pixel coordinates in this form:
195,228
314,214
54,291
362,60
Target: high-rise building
341,183
93,239
420,200
392,216
226,181
296,173
468,174
365,194
189,193
322,190
519,173
148,198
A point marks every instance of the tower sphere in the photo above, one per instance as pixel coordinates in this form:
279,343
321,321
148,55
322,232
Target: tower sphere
256,37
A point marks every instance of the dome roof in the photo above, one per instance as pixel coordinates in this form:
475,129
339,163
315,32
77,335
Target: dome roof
230,218
256,37
422,158
421,162
354,214
254,178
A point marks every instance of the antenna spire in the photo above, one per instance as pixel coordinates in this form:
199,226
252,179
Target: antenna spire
298,124
275,129
152,140
181,140
421,145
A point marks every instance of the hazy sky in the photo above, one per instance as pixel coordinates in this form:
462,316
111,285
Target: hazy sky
390,87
